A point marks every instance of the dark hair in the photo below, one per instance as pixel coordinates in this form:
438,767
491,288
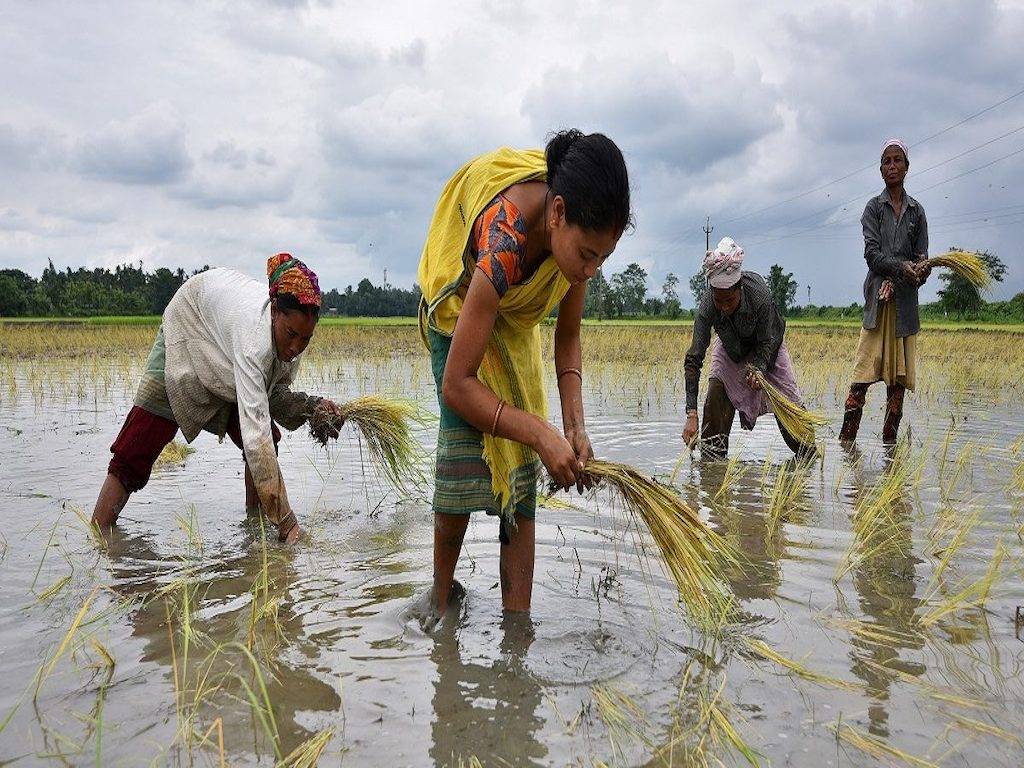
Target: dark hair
286,302
589,172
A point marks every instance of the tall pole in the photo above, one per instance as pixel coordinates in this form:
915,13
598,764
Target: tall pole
708,229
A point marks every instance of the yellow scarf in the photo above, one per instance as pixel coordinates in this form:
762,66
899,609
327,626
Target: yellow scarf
511,366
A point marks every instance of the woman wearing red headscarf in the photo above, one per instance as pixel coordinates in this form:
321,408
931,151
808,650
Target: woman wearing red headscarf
223,361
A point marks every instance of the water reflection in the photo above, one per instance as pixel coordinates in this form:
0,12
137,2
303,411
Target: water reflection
885,582
486,708
222,601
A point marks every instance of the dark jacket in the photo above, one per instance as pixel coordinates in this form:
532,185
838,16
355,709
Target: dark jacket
752,333
887,245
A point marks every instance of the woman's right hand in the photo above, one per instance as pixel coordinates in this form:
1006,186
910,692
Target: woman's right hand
690,429
559,458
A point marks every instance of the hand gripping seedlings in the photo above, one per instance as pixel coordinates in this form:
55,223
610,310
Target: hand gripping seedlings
695,556
385,426
797,420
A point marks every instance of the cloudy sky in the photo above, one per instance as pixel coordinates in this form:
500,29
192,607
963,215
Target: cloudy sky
190,133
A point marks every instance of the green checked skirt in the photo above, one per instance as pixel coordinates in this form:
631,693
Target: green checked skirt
462,477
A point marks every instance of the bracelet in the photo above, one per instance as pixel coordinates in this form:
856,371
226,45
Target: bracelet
564,371
497,415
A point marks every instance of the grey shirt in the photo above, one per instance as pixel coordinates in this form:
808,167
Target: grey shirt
753,333
889,243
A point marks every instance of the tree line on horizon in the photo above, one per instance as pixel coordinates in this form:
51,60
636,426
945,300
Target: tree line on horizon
130,290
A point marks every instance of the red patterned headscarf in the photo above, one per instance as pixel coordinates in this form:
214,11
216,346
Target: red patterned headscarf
287,274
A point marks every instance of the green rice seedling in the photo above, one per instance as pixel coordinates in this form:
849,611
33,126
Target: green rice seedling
264,607
875,747
877,525
946,553
695,556
385,426
307,754
988,729
713,714
765,651
787,495
47,668
878,634
797,420
622,717
968,594
967,265
735,471
54,589
218,726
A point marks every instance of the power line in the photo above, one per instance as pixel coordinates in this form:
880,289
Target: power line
973,170
861,196
935,135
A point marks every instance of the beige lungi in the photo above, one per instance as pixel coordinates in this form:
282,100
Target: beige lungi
882,356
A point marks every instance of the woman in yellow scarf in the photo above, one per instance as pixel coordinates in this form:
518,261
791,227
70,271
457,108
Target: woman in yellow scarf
515,234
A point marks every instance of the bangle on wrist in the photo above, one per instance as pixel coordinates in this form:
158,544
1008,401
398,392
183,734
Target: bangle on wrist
497,415
564,371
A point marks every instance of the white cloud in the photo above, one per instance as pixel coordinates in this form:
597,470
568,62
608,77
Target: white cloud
186,133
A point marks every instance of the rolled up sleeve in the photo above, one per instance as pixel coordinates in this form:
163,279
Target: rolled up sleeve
694,360
257,440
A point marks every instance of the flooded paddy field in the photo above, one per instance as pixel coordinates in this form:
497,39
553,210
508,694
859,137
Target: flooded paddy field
874,619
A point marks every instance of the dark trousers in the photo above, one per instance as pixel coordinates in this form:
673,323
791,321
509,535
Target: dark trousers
719,413
145,434
894,394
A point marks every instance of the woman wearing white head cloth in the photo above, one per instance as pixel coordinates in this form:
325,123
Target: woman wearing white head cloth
896,250
740,309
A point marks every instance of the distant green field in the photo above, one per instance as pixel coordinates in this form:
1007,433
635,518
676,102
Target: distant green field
793,322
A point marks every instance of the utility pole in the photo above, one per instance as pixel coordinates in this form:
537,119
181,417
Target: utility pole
385,278
808,293
708,229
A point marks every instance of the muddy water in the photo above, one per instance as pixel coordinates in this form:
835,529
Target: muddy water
171,599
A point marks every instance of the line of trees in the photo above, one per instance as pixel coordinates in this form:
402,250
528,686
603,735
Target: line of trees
125,290
130,290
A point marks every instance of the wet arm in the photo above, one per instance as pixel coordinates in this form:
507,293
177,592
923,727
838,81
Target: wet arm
258,443
694,360
462,390
568,354
291,409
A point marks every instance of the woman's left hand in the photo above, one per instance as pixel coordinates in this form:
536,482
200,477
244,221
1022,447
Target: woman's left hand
580,442
752,381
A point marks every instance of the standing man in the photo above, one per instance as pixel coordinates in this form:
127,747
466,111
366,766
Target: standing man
896,250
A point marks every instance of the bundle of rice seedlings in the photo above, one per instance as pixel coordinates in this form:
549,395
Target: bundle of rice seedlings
797,420
695,556
967,265
384,425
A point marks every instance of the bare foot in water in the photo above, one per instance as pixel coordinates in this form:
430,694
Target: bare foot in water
429,616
